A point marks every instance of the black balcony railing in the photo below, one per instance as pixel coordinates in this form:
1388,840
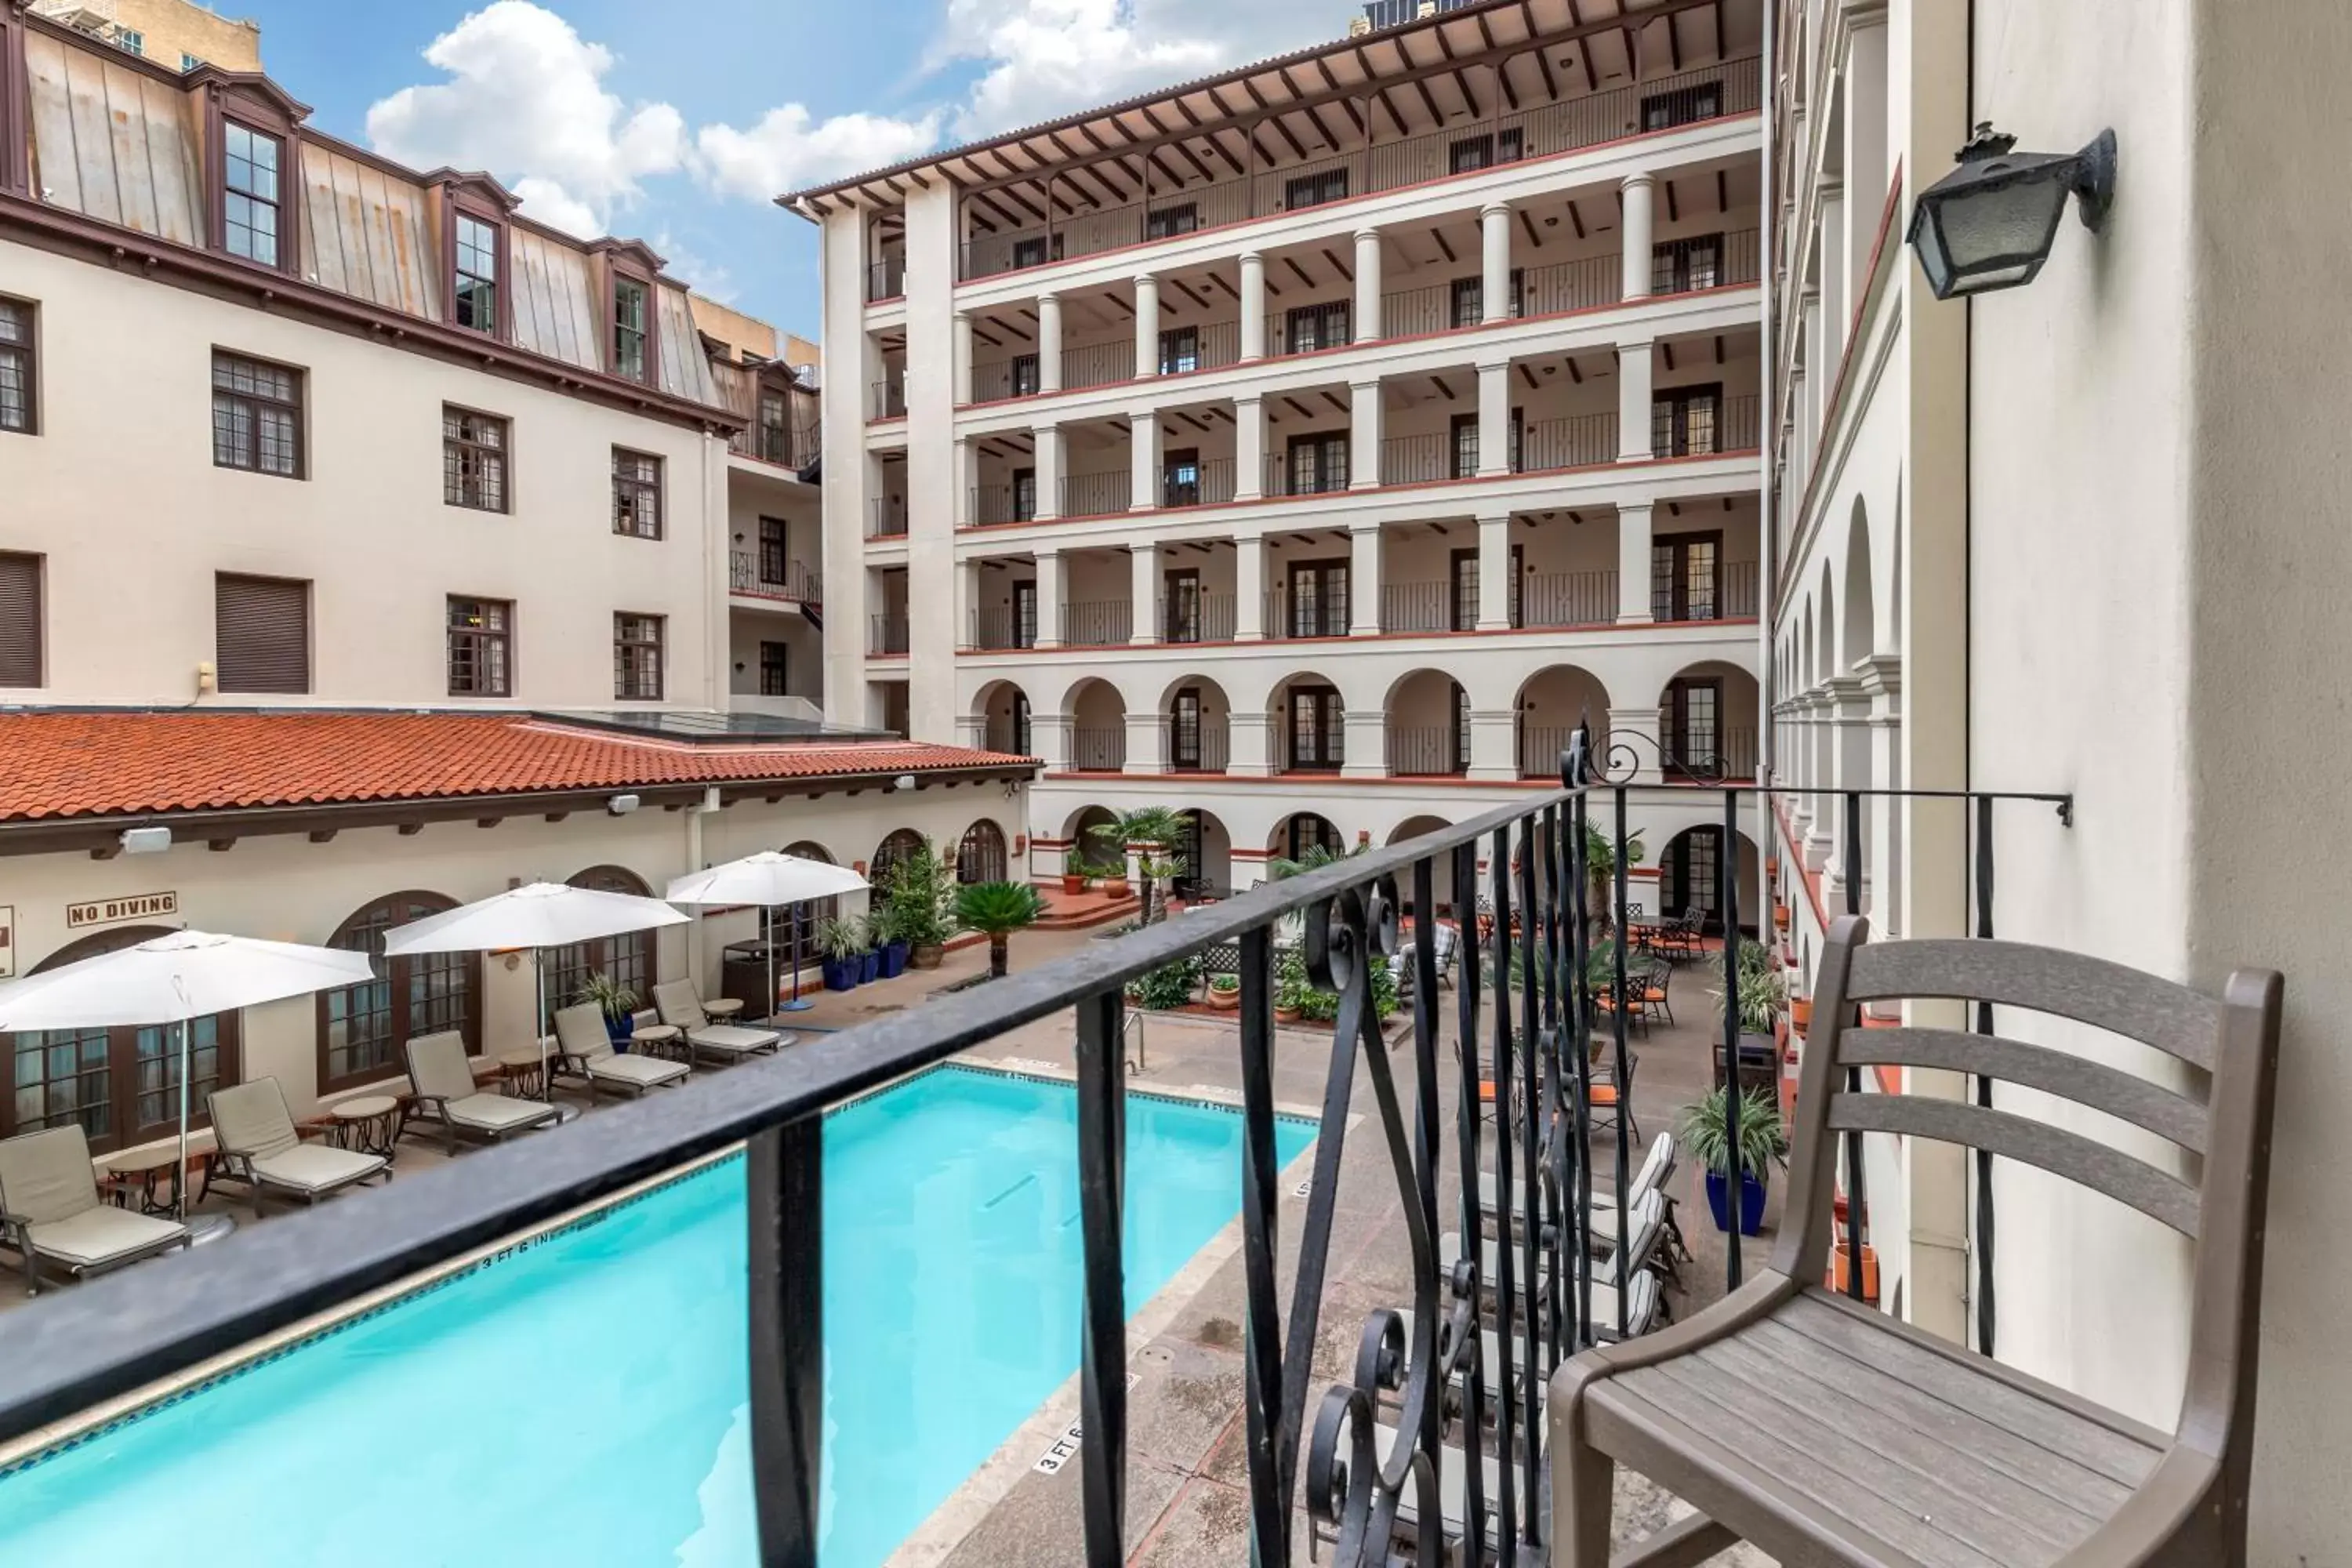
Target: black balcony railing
1199,746
887,399
1703,428
1665,103
993,504
1098,623
1428,607
1197,617
1542,745
1706,756
1097,365
887,519
1104,494
1581,285
762,575
1211,345
1421,459
1577,441
1288,477
999,627
1549,599
886,278
1099,749
1209,482
1427,751
886,634
1704,261
1728,592
1515,1097
1290,615
791,446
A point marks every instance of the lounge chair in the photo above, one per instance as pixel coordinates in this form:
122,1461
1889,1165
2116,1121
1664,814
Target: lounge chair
585,1051
1657,1167
1643,1303
727,1043
50,1213
445,1092
260,1146
1328,1460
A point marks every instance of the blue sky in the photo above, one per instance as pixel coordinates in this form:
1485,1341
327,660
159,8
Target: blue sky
677,123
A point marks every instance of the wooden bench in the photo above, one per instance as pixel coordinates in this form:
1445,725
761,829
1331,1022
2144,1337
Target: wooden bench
1828,1434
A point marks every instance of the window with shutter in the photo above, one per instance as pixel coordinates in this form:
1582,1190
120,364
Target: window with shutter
262,634
20,620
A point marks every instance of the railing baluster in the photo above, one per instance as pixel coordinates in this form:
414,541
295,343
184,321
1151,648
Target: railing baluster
1506,1276
783,1178
1530,1208
1554,1297
1622,1082
1425,1125
1102,1162
1580,1056
1467,991
1262,1323
1727,877
1855,1201
1984,1237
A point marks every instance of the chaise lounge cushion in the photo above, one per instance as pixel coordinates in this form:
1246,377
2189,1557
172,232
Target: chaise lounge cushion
733,1040
313,1168
645,1072
100,1236
496,1113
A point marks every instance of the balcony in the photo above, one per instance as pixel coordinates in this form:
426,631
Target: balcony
886,279
1074,230
1099,748
885,636
764,574
1202,745
886,398
1427,751
885,517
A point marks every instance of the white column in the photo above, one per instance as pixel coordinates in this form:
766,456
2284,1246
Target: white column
1249,747
1249,449
1049,471
1495,572
1633,401
1364,436
1253,305
1493,744
1049,737
1053,577
1146,743
1495,285
1147,326
964,356
1364,745
962,476
1640,226
1494,419
1851,721
1636,730
968,603
1367,285
1143,449
1883,679
1249,595
1364,580
1634,563
1049,343
1144,613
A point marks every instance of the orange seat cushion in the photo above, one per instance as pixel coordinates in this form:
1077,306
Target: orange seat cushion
1604,1094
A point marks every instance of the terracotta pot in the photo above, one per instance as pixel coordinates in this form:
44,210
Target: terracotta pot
1771,867
1281,1015
1838,1275
1781,916
1225,1001
1073,884
1117,886
929,955
1801,1014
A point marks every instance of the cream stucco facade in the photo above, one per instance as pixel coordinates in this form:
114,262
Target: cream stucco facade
2074,537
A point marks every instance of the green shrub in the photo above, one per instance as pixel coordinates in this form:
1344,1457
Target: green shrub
1167,986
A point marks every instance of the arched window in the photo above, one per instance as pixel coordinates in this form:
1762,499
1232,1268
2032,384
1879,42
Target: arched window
122,1085
365,1030
815,912
891,853
981,856
1303,834
628,958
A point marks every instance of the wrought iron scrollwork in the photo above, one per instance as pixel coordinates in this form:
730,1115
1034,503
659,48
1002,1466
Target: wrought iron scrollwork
1584,763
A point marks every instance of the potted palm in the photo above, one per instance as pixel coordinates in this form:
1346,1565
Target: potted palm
884,926
1154,826
1763,1142
616,1001
997,909
1074,877
1600,865
837,947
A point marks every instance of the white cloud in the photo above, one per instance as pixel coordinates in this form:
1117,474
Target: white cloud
525,98
789,147
1046,57
707,278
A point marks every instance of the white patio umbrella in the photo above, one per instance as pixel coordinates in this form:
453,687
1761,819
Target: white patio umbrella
538,915
768,878
171,980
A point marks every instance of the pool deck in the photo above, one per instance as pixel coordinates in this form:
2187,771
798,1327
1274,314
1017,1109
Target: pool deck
1187,1486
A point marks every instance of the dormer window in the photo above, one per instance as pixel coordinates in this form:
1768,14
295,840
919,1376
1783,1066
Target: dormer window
476,285
632,307
250,213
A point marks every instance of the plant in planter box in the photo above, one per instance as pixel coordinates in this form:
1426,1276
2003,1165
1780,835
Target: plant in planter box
1167,986
1074,873
921,896
838,945
615,1000
1763,1142
997,909
1224,992
882,928
869,950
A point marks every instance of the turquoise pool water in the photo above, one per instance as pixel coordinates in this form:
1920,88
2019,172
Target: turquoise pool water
583,1401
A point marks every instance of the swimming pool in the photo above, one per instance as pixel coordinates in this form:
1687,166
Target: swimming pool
583,1400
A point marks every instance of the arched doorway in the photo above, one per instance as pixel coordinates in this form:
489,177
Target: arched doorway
981,856
121,1084
1303,835
629,958
890,854
1441,876
1207,850
365,1030
1689,878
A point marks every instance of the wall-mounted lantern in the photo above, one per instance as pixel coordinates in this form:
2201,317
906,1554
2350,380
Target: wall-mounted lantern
1990,223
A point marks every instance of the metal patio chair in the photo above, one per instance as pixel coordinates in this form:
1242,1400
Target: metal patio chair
1826,1433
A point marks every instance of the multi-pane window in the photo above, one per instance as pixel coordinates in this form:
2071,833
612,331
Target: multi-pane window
1679,266
1318,598
477,284
1682,424
1167,222
1682,573
249,212
632,304
257,416
1027,375
129,42
16,382
631,958
1470,298
473,459
775,427
775,553
1313,327
1314,190
1465,446
1317,728
481,647
1683,106
636,657
1179,350
1024,495
772,681
636,494
365,1030
1318,464
1474,153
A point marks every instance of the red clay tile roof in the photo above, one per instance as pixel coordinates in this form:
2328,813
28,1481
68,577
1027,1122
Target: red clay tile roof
58,764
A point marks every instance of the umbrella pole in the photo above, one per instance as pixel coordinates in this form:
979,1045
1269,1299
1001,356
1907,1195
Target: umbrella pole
796,1005
768,930
180,1177
539,1024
